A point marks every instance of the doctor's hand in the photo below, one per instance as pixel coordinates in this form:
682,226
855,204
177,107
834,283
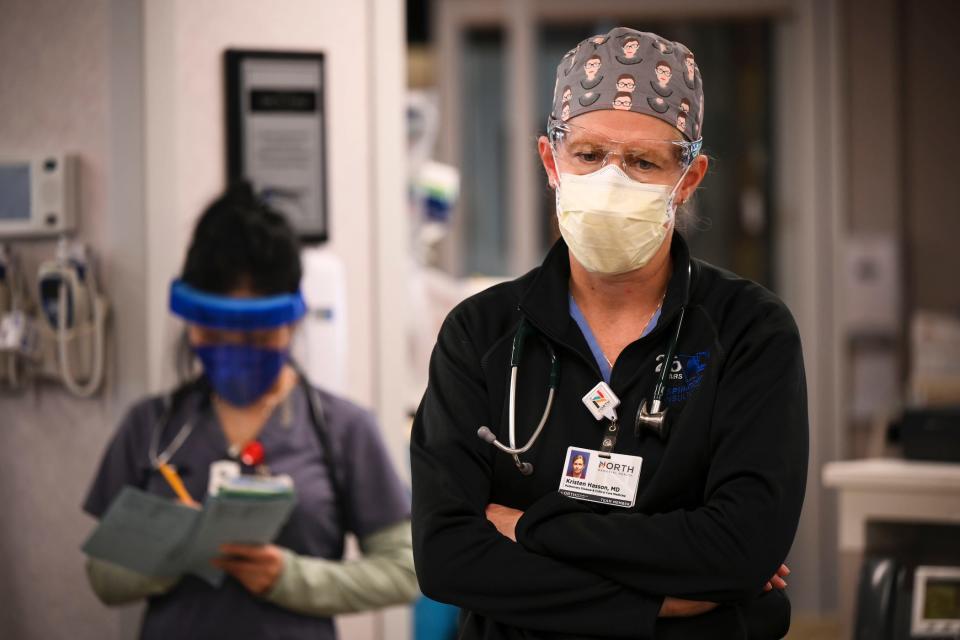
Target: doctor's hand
504,519
255,566
777,581
677,608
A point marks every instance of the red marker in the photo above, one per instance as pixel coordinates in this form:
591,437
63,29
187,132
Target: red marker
252,454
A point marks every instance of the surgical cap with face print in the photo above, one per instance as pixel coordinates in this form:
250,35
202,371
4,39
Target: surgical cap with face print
631,70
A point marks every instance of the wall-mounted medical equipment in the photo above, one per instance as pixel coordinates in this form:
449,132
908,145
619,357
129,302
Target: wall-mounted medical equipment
72,320
276,136
55,327
320,344
37,194
434,190
19,342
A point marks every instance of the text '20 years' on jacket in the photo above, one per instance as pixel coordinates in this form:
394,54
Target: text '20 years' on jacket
717,504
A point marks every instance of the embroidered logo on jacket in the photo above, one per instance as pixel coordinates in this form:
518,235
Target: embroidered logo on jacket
685,377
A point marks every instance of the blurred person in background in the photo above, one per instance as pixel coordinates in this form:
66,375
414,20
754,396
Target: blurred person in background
683,382
239,295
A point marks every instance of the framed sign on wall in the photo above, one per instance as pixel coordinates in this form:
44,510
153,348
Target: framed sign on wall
276,133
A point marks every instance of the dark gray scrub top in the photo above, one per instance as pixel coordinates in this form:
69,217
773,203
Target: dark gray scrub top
375,498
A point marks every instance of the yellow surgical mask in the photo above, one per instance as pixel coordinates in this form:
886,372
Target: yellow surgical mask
611,223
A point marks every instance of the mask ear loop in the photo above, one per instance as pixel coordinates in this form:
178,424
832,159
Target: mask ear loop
556,186
694,151
671,206
553,154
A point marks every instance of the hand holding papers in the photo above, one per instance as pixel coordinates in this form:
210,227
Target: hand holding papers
162,538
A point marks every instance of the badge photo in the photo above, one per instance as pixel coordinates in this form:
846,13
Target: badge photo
606,478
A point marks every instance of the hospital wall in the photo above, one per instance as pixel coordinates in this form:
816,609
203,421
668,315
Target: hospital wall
930,137
898,184
59,91
134,88
901,66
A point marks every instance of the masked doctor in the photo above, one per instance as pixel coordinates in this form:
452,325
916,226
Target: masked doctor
679,385
239,297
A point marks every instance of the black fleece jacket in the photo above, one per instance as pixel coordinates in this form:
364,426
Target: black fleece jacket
717,504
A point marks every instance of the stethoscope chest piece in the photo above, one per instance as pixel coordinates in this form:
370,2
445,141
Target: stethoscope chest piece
653,419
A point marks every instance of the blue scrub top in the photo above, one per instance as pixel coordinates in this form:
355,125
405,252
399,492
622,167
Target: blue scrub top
375,498
605,369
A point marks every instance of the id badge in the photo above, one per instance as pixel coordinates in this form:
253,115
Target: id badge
221,472
610,478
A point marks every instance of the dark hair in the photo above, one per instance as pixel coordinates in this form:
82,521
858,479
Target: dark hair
627,76
240,241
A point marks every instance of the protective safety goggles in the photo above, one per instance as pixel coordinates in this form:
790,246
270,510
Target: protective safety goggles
235,314
582,151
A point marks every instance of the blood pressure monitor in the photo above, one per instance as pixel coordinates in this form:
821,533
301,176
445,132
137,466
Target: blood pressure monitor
37,194
936,602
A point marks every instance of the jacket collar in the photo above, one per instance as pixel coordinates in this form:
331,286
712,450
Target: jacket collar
545,302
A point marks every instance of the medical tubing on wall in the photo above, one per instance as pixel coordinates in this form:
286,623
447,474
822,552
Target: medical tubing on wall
90,387
19,301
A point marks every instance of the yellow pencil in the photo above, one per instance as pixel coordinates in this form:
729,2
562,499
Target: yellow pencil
173,479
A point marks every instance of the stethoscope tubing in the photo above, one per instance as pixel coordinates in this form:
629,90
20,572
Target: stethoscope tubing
513,449
656,414
484,432
660,389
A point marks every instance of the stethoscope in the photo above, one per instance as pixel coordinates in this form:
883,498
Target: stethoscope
652,417
314,407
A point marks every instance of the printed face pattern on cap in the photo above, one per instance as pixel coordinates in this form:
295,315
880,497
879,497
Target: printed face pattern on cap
631,70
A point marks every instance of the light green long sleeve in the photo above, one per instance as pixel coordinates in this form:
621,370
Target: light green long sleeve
115,585
383,576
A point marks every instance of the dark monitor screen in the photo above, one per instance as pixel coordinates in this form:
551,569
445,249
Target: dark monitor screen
14,192
285,101
942,599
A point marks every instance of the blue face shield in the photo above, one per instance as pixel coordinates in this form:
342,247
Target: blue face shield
239,373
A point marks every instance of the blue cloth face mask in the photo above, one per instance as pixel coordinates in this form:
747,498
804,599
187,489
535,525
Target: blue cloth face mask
240,374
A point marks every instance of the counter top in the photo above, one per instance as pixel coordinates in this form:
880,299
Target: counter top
892,474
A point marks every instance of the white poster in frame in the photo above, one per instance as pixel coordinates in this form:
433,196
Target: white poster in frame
276,134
